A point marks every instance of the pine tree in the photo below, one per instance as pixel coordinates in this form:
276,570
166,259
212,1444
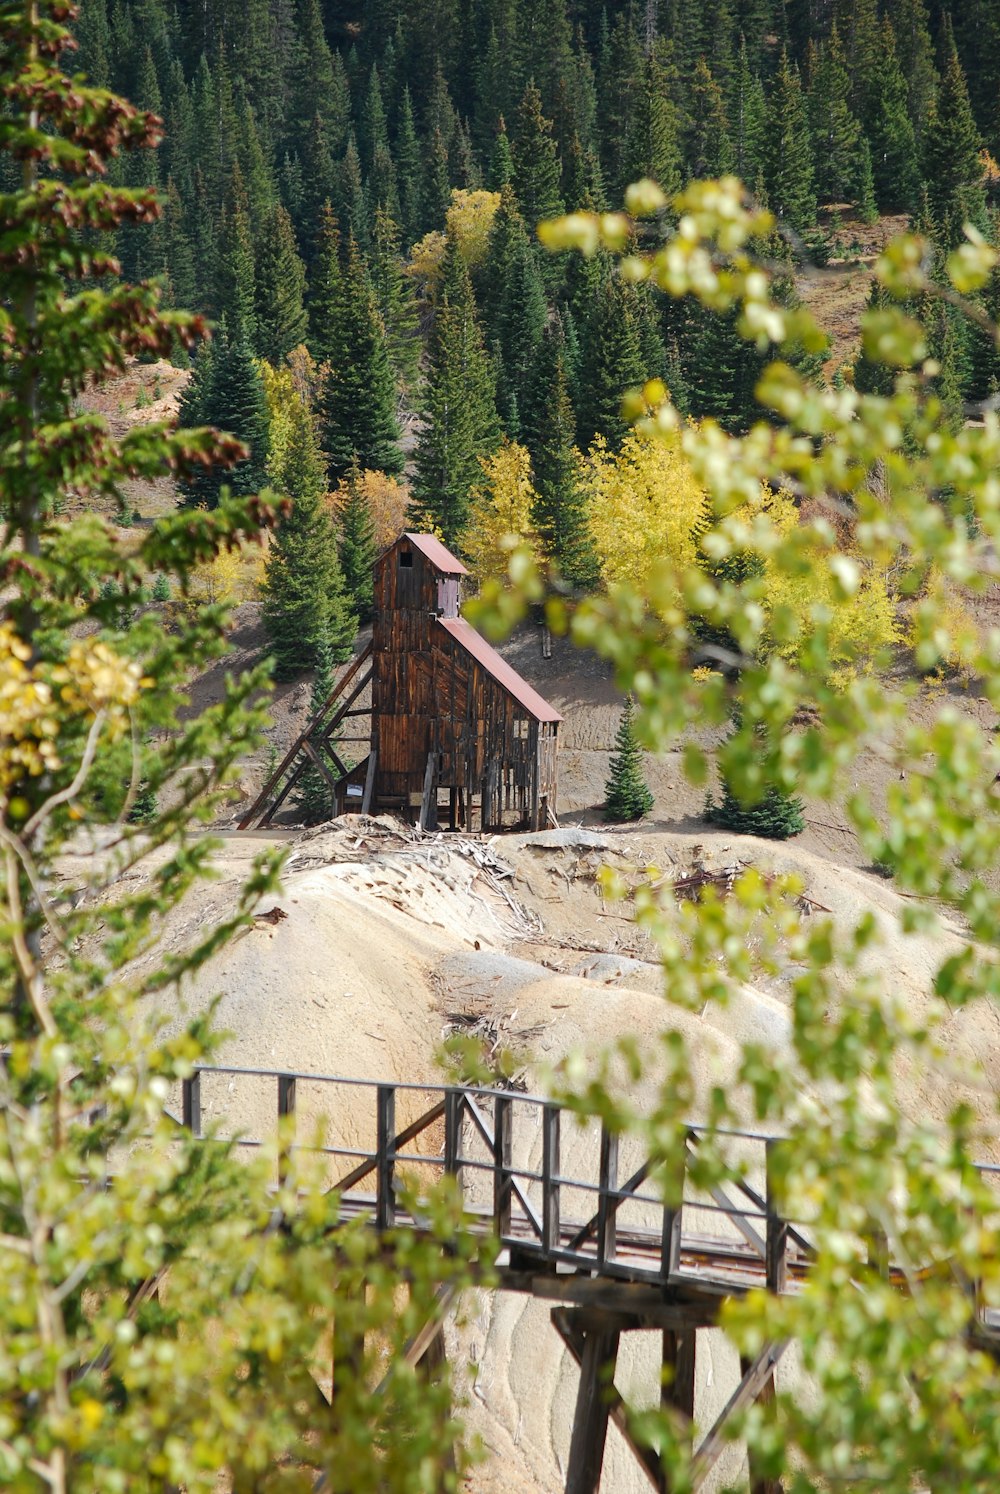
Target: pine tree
358,399
559,513
356,546
775,814
305,605
893,143
536,161
626,796
836,134
916,57
612,364
747,114
788,166
280,287
236,296
325,288
313,797
460,419
952,167
396,300
518,327
501,170
409,172
652,149
708,148
225,391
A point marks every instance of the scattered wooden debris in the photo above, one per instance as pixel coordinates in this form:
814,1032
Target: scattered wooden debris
273,915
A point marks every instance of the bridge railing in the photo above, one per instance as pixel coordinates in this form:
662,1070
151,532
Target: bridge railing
554,1189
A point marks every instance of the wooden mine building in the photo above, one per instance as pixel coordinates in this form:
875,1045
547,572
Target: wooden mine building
458,738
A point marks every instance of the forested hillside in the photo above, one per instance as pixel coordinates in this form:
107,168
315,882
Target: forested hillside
364,180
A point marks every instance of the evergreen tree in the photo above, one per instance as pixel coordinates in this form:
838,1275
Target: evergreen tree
225,392
356,546
501,170
459,418
325,289
559,513
652,148
774,814
536,162
788,169
396,300
612,364
893,143
519,325
836,134
953,171
280,288
358,399
178,253
236,296
313,797
409,172
747,115
708,148
305,605
626,796
916,57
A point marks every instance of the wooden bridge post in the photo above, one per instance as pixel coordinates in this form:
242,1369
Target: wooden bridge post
776,1236
550,1171
385,1166
680,1347
503,1142
454,1109
286,1107
607,1204
191,1102
673,1216
593,1408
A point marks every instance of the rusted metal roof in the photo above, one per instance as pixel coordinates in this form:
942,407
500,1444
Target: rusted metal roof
438,555
475,644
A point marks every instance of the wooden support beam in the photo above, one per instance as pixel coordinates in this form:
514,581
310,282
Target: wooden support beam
759,1484
757,1374
271,785
572,1328
680,1347
593,1409
366,801
427,820
643,1304
503,1151
776,1239
550,1171
607,1205
385,1166
364,1169
317,760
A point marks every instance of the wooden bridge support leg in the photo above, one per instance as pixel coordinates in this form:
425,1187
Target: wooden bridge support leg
590,1423
759,1484
679,1352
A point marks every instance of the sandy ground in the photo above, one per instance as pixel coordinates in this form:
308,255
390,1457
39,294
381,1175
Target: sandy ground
386,939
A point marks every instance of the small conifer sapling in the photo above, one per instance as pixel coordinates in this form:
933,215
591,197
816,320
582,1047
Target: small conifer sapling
626,794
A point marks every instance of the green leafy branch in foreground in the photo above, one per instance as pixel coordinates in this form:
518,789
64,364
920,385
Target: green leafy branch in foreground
883,1128
166,1314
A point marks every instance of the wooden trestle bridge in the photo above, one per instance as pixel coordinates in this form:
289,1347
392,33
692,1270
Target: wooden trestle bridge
595,1239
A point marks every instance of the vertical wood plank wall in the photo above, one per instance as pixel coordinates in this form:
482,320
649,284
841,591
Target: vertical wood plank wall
430,695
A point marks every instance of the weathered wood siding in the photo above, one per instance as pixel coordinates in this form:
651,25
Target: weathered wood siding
430,695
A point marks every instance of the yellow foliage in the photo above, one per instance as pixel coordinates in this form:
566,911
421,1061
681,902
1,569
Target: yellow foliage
388,501
33,707
280,393
233,576
645,506
500,512
942,631
859,624
468,222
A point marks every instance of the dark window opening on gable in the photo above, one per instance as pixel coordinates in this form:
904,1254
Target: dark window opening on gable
406,558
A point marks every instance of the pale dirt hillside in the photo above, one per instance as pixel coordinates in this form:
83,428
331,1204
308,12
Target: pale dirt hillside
388,938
